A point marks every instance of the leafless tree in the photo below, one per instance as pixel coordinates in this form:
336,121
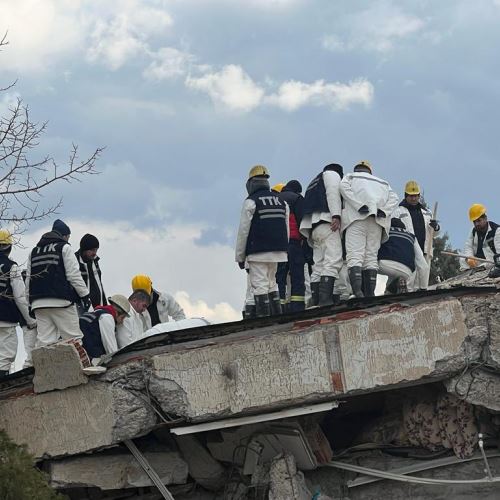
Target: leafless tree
23,175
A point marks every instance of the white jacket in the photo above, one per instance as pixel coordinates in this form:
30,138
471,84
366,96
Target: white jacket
404,214
331,180
470,248
247,213
131,329
167,307
19,296
73,275
361,188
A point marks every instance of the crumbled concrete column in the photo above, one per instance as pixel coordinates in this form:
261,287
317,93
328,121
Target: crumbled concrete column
203,468
286,482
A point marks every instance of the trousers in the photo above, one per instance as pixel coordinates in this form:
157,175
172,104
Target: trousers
294,268
55,323
327,252
362,240
8,346
262,277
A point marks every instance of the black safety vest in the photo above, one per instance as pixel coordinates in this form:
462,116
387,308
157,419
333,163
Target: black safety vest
399,248
48,274
489,240
268,229
92,340
153,309
8,308
315,197
97,295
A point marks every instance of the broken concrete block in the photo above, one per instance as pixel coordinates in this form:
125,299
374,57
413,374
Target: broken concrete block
57,366
478,387
286,482
203,468
116,471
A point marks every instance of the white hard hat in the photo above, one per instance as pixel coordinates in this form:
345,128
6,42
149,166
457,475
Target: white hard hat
120,301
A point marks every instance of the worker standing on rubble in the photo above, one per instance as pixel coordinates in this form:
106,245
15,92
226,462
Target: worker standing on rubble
134,324
369,202
89,267
162,305
53,284
98,326
13,304
400,256
483,240
321,226
262,240
418,221
291,195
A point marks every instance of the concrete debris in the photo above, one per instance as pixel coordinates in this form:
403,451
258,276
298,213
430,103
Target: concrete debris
57,366
477,386
203,468
116,471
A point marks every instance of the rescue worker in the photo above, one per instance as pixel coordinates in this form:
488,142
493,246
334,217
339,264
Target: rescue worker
368,204
400,256
262,240
291,194
13,304
89,267
418,221
483,240
99,326
162,306
133,326
321,225
53,284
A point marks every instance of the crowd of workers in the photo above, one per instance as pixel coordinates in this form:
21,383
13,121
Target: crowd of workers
334,241
60,296
338,237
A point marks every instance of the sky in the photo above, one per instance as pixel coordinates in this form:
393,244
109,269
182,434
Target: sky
187,95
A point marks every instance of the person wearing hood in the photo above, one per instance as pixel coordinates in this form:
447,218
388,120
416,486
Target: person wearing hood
13,304
418,221
262,240
366,218
99,326
321,226
53,285
89,267
291,194
400,256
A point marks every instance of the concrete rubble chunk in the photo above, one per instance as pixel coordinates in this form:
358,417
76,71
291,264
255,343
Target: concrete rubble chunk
57,366
478,387
116,471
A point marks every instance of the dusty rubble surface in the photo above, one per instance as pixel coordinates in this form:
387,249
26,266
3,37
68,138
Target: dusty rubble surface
417,371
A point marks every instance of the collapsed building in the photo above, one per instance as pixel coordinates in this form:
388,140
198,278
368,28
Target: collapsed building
393,397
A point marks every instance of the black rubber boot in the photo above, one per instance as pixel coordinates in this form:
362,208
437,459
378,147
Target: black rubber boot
336,299
356,279
4,373
370,282
315,293
296,306
249,311
275,303
262,308
326,284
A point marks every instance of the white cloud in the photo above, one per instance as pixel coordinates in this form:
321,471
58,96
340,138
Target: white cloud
171,257
293,95
230,87
378,28
167,63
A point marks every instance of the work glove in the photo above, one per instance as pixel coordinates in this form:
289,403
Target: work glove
364,210
381,214
241,265
472,262
86,303
434,224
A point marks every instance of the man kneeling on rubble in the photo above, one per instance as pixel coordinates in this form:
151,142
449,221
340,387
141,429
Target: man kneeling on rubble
98,326
400,256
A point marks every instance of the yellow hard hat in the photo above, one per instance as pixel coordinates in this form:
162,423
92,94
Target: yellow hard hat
5,237
278,187
412,187
142,282
475,211
258,170
364,163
